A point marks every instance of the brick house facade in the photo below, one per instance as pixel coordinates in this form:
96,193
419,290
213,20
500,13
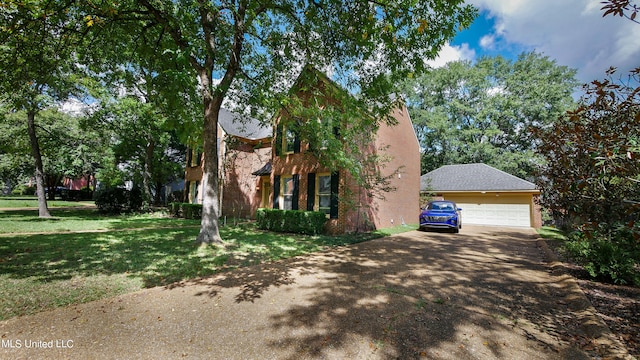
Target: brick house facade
279,170
298,181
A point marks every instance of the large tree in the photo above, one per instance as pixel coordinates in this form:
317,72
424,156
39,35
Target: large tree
39,40
470,112
592,154
251,50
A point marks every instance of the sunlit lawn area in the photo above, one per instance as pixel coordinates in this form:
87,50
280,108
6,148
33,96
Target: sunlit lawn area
65,220
32,202
551,233
42,271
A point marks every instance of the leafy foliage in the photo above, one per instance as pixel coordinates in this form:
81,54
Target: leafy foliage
623,8
291,221
591,178
186,210
592,171
113,200
254,50
471,113
609,254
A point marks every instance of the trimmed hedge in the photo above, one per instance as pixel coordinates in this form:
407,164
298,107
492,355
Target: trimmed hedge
185,210
113,200
293,221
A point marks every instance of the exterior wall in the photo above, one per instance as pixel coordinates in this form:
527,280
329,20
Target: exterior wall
500,198
241,195
400,144
360,209
238,158
78,183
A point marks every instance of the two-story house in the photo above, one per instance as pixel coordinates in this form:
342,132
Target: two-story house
280,169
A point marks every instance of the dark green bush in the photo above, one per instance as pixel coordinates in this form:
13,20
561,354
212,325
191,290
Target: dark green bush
610,256
185,210
24,190
113,200
191,211
294,221
76,195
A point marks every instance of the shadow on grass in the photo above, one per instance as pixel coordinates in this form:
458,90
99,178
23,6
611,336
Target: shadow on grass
158,256
27,221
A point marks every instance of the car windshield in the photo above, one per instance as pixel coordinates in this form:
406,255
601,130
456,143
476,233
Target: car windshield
445,206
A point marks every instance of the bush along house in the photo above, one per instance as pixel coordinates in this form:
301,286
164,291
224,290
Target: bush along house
293,164
305,173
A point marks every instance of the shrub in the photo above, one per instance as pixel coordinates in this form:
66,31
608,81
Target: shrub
24,190
294,221
76,195
185,210
113,200
610,256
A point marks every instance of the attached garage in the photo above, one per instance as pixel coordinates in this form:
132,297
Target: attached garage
487,196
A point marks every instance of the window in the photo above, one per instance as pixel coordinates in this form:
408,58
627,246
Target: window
289,144
193,192
194,158
287,193
323,192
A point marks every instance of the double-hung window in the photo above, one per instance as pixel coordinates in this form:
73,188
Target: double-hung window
323,192
287,192
289,141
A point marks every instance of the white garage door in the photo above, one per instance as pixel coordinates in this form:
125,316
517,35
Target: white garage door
496,214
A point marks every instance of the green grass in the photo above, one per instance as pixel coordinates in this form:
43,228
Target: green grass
551,233
43,271
32,202
67,220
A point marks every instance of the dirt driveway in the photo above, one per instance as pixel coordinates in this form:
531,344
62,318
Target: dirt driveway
486,293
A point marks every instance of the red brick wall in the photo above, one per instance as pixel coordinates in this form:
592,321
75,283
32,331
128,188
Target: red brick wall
358,211
400,144
240,196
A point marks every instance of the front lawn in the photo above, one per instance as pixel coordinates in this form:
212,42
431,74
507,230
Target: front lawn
32,202
43,271
66,220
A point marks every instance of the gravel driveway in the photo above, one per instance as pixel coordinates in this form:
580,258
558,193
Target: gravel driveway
486,293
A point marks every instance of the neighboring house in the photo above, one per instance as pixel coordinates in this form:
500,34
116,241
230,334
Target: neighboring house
486,195
290,176
294,179
244,144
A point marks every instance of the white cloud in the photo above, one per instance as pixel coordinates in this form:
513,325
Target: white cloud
452,53
488,41
572,32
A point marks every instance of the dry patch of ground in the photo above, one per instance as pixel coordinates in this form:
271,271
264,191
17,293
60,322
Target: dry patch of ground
617,305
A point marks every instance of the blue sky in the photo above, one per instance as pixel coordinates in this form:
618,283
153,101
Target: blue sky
571,32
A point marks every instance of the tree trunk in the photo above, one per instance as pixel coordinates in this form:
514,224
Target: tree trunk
43,210
209,231
146,173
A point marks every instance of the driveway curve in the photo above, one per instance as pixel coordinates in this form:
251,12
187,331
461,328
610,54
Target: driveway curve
485,293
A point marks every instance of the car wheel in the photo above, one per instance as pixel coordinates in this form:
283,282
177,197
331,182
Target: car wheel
456,230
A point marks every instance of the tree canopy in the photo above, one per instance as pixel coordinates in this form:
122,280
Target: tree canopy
39,43
483,112
250,52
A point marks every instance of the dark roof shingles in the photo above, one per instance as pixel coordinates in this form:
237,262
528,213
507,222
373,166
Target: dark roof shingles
472,177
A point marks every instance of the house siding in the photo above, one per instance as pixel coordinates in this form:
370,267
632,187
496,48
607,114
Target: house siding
359,209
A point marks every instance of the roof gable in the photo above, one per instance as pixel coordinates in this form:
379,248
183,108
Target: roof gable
472,177
243,126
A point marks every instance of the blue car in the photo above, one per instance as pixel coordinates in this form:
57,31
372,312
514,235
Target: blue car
441,214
